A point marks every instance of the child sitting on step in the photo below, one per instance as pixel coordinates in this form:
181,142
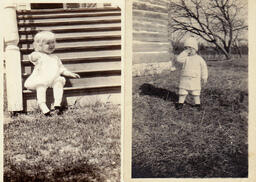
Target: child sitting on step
194,69
47,72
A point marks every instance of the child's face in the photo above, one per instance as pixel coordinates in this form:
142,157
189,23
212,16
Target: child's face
191,51
48,46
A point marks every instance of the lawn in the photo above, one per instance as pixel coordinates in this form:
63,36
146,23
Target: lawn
167,143
82,145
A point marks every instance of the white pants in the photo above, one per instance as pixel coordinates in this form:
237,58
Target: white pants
57,86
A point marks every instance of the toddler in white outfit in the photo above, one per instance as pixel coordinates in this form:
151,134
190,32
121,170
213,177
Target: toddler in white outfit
47,71
194,69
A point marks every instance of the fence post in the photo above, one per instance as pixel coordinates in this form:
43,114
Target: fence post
12,59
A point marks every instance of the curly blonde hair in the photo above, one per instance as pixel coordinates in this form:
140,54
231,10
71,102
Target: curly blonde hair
41,37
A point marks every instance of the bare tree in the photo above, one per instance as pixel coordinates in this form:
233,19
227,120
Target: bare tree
219,22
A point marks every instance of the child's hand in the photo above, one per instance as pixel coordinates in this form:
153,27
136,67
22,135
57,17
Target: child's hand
74,75
185,52
70,74
34,56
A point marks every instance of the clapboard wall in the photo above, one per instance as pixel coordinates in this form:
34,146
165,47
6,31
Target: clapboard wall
150,31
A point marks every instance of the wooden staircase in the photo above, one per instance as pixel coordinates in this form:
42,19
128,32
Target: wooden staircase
88,43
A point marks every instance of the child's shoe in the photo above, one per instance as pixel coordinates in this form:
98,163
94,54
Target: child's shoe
58,109
179,106
48,114
198,107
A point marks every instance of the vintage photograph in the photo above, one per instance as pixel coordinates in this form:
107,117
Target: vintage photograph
62,92
189,89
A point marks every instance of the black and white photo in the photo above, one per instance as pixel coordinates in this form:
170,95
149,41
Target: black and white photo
62,91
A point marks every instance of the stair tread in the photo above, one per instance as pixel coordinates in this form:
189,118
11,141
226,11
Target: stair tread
69,15
75,37
83,26
72,30
69,19
82,87
83,54
58,48
53,11
78,43
76,49
77,34
89,71
58,23
77,59
115,66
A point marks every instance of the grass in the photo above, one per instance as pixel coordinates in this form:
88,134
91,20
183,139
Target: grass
82,145
167,143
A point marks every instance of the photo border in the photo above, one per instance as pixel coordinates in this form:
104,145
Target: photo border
252,105
122,6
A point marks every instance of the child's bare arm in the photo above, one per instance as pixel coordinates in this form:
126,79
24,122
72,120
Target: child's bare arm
204,71
34,57
65,72
70,74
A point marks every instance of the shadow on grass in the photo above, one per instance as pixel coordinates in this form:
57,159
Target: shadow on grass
148,89
76,172
204,166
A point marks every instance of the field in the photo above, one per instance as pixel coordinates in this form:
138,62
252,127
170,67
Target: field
83,145
167,143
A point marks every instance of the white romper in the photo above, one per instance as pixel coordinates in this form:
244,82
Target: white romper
48,68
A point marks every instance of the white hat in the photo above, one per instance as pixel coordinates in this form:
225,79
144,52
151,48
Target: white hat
191,42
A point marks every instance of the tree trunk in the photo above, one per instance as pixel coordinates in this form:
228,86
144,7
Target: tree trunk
224,51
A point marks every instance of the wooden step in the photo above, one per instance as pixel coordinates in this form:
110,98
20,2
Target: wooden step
87,43
68,15
92,78
77,39
84,26
71,55
91,73
77,34
113,65
77,43
77,48
58,11
71,19
71,29
69,23
70,38
89,82
84,88
98,65
77,96
93,81
85,60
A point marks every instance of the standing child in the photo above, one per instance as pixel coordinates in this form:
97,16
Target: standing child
47,72
193,70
